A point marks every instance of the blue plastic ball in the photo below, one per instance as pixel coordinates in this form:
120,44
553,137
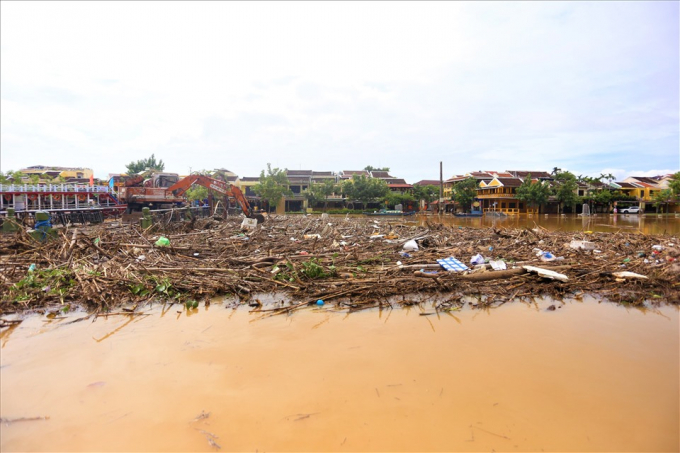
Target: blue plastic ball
319,302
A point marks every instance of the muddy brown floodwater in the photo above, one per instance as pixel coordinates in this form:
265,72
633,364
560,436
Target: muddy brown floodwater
587,376
605,223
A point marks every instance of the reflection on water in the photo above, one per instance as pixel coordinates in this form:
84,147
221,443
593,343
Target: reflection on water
584,377
626,223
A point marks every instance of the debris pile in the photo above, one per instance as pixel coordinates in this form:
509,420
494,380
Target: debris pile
293,261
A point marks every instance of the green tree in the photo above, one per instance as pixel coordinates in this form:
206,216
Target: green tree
197,192
464,192
318,192
273,186
426,193
566,189
405,199
603,198
662,197
11,177
364,189
608,176
371,168
674,185
533,194
143,164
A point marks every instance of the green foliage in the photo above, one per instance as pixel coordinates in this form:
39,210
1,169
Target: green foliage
311,269
196,192
273,185
662,197
143,164
371,168
674,185
395,198
603,197
161,286
617,195
566,188
365,189
428,193
464,192
40,281
318,192
533,194
11,177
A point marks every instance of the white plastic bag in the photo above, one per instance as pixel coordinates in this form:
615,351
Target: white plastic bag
477,259
411,246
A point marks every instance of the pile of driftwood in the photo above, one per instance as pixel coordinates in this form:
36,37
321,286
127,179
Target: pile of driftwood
293,261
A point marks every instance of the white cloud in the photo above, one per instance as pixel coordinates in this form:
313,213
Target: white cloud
341,85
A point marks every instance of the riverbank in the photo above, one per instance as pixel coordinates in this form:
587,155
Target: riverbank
352,263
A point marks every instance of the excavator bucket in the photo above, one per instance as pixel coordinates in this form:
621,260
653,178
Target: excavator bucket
258,217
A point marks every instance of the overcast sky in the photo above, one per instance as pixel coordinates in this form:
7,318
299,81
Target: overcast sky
326,86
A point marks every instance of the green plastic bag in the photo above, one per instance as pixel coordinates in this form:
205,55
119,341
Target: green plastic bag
163,241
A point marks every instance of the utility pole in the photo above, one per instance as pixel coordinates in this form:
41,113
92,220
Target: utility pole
441,187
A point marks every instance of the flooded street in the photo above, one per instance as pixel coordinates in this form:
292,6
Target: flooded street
587,376
605,223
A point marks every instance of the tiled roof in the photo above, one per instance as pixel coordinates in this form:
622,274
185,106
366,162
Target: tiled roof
381,174
627,185
480,174
299,172
534,174
400,186
427,182
393,181
510,182
323,173
645,180
249,178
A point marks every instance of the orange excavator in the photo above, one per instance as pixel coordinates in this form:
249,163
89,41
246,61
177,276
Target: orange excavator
180,187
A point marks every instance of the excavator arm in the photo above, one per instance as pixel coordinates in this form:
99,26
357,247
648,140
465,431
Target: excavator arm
226,189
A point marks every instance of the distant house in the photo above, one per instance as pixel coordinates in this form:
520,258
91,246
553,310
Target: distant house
499,194
644,188
70,174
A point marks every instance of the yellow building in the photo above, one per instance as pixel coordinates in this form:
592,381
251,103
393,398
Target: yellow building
499,195
64,172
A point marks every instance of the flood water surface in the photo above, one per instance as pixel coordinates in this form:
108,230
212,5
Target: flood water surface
604,223
585,377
